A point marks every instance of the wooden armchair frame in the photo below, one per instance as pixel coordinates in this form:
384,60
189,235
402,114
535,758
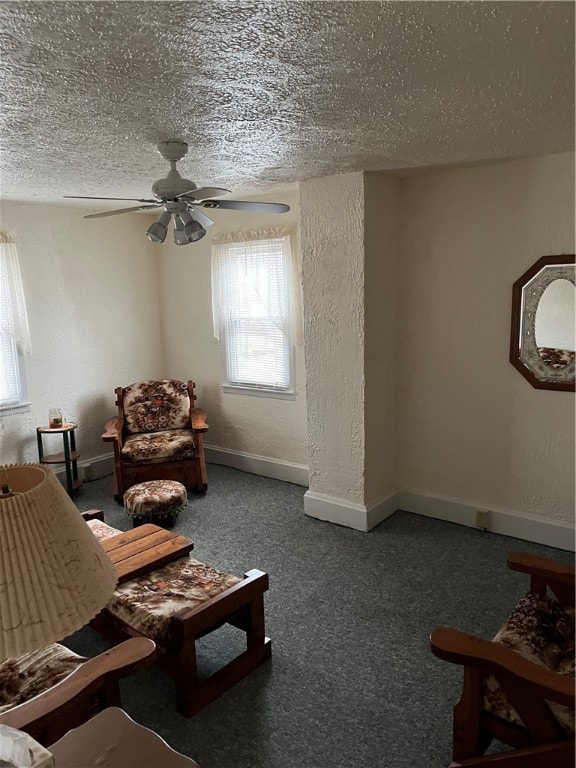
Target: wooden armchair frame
527,685
189,472
545,755
91,687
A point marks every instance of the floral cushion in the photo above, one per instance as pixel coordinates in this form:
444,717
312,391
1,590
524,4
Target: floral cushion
102,530
148,602
155,497
557,358
147,448
542,630
155,406
23,677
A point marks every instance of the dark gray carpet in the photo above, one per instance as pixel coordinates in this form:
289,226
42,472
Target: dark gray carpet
352,681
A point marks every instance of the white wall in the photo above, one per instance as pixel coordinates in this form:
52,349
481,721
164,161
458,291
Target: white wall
108,308
383,334
239,423
473,429
92,298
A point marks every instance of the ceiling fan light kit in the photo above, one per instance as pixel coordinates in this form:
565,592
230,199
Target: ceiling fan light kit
180,198
157,231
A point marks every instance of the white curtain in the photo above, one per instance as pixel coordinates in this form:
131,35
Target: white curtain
260,263
13,317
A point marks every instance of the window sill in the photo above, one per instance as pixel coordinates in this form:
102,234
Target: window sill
10,410
233,389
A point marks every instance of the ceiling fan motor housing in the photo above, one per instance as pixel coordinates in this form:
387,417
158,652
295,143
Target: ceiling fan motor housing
171,186
172,150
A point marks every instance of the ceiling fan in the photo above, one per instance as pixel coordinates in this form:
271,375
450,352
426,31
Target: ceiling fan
181,198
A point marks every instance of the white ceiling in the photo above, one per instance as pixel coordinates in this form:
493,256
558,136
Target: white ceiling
270,93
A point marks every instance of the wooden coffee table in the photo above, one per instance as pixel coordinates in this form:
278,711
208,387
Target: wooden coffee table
143,549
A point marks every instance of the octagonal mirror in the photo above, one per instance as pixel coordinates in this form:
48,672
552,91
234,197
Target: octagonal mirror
542,342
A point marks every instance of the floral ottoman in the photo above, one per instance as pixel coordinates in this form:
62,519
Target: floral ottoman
157,501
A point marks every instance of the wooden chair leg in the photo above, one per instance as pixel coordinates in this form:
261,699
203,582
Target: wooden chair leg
201,473
468,738
192,693
185,670
110,695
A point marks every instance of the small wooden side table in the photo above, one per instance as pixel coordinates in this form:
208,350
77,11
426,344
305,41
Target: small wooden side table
111,739
68,457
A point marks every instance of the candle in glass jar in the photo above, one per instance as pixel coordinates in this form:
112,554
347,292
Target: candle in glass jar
55,418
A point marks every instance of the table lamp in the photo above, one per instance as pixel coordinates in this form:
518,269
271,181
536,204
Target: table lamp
54,575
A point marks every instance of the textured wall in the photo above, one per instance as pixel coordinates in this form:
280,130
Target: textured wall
332,218
92,300
383,333
263,426
473,429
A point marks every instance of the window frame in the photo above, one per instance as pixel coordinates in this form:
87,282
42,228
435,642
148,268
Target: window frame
23,404
223,332
15,330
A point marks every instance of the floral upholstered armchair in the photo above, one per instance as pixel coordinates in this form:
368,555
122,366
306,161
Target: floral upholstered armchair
157,435
47,692
519,687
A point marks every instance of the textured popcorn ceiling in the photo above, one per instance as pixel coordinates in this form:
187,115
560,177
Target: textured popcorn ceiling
269,93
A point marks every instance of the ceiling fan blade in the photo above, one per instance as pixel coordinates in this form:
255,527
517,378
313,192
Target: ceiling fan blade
121,210
246,205
203,192
136,199
200,217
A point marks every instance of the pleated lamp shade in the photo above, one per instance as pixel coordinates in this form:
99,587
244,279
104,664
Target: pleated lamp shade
54,575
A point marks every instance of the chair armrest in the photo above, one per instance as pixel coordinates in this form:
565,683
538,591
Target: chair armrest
541,566
112,429
461,648
545,572
209,612
122,660
198,419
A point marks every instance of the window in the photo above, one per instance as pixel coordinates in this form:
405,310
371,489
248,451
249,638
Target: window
252,309
14,332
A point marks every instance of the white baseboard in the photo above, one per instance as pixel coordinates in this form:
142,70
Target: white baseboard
99,466
91,469
552,533
357,516
258,465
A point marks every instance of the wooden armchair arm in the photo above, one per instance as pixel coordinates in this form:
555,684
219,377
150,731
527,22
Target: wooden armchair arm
198,418
470,651
209,612
112,430
124,659
545,573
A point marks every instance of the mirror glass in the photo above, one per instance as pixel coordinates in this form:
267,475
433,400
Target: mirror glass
554,324
543,335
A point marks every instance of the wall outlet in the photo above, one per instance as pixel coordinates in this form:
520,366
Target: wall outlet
483,519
